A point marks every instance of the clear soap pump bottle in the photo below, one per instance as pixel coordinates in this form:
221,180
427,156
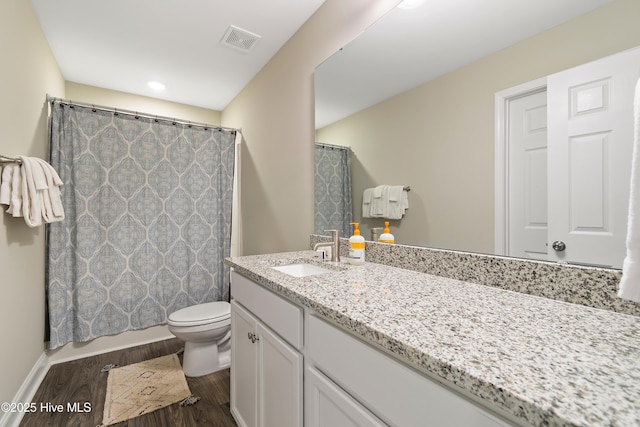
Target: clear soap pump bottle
356,246
386,237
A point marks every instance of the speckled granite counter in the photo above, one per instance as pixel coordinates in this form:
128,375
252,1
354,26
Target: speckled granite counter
545,361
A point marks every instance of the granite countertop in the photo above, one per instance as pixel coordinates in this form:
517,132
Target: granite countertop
545,361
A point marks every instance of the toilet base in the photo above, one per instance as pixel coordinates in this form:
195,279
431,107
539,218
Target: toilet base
203,358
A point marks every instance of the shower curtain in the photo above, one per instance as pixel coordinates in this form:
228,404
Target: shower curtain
148,221
333,206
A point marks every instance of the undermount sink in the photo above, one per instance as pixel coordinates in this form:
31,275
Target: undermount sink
301,269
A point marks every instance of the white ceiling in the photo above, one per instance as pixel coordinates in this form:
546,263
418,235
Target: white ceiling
123,44
409,47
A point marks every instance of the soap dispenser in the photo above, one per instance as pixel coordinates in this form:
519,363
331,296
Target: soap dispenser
356,246
386,237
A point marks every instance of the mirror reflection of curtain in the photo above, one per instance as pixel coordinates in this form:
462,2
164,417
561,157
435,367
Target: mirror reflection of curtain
333,208
148,221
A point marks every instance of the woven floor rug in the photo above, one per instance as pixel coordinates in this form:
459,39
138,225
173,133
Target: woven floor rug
143,387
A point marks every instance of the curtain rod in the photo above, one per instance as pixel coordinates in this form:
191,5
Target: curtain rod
337,147
114,110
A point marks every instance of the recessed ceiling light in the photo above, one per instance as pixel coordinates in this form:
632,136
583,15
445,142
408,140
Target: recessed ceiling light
410,4
156,85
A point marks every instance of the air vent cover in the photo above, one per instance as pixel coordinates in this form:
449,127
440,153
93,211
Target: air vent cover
239,39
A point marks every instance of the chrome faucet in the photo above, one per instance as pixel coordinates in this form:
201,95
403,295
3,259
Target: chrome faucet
334,244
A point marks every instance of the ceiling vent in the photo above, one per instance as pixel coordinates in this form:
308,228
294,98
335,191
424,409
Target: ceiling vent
239,39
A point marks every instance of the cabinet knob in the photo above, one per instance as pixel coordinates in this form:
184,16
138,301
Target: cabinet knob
253,337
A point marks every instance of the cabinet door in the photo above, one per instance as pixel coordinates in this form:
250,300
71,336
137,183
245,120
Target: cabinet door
280,381
244,367
326,405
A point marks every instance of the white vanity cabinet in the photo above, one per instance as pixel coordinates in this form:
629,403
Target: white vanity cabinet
397,394
266,365
347,381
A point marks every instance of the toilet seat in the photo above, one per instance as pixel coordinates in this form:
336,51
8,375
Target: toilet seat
202,314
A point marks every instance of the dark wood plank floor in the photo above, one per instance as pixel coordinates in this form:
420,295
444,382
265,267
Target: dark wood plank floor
81,381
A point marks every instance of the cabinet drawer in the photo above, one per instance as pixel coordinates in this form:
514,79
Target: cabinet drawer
329,406
279,314
397,394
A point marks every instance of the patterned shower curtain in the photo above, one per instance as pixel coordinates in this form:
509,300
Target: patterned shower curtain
148,221
333,206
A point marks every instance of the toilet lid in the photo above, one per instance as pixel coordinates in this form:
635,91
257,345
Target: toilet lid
201,314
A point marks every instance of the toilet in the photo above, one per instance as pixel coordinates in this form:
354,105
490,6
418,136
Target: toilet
206,332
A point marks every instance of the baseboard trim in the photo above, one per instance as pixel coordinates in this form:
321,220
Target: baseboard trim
106,344
27,390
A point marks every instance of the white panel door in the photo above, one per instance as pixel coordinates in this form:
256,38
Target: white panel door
590,137
527,176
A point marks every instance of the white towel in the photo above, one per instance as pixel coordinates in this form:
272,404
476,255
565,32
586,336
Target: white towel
380,201
15,208
51,201
367,195
630,283
385,201
398,202
395,193
32,180
5,183
34,192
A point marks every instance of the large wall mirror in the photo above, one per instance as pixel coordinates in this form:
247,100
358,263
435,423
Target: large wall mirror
414,97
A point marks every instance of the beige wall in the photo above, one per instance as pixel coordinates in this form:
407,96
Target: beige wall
439,137
28,71
275,111
126,101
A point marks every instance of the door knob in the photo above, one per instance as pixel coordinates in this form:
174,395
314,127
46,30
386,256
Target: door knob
559,246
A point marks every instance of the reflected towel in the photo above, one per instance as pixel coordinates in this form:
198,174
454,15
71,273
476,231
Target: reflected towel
630,283
380,201
398,202
385,201
367,195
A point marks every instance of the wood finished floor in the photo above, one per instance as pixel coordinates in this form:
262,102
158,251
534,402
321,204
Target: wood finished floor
81,381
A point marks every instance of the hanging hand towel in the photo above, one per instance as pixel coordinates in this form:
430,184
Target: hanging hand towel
367,195
32,178
398,202
379,201
52,209
630,283
15,207
5,183
40,193
11,189
385,201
